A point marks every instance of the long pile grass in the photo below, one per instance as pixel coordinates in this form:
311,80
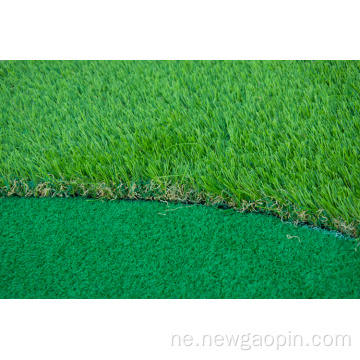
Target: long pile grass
275,136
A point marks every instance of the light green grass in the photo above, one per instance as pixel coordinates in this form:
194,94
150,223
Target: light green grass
281,136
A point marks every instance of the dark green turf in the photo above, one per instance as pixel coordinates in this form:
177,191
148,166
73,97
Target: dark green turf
79,248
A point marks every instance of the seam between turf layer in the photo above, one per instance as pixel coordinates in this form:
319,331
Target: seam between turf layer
175,192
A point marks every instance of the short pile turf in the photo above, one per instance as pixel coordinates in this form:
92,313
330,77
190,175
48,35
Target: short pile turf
280,136
78,248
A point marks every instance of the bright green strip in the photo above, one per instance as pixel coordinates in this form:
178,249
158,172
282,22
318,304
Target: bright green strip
78,248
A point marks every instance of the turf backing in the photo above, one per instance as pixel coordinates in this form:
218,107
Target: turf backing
81,248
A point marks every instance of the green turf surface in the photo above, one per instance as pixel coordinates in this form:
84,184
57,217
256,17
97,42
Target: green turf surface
267,133
78,248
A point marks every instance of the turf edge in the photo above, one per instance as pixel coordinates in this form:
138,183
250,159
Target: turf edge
162,190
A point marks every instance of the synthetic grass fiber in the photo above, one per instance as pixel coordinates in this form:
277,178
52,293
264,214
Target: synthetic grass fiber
276,136
78,248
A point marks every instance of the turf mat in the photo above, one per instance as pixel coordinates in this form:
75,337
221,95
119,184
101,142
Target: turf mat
277,134
85,248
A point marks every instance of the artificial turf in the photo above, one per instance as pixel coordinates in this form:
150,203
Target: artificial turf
82,248
273,136
280,135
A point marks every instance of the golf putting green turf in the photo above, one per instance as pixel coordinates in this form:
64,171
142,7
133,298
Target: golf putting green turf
86,248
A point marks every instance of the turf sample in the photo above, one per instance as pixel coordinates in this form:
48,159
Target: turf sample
78,248
280,135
